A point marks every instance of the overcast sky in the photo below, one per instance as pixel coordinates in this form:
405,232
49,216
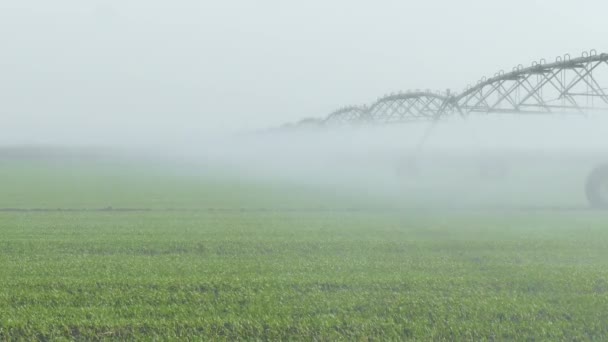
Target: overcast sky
91,70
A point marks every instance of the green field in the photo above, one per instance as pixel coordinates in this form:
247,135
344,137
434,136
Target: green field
112,250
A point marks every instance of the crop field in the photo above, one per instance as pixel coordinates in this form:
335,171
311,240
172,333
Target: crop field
110,250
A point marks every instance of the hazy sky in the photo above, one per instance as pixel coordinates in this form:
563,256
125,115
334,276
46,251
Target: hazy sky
77,69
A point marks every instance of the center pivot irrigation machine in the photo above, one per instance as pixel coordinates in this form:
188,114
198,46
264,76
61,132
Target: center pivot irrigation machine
567,85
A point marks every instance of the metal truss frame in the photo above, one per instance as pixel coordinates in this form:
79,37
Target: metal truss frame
567,85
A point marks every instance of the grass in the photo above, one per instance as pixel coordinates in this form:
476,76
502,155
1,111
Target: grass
217,258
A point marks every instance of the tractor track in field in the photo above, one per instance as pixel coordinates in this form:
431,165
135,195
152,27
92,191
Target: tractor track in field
472,209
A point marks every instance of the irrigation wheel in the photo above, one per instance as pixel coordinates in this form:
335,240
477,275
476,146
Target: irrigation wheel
407,167
597,187
493,169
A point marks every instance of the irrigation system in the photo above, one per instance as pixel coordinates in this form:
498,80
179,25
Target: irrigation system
568,85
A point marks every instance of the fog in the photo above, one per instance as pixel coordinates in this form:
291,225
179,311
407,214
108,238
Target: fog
203,81
103,72
506,162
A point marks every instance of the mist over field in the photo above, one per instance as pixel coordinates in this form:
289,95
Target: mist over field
170,170
541,153
478,162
